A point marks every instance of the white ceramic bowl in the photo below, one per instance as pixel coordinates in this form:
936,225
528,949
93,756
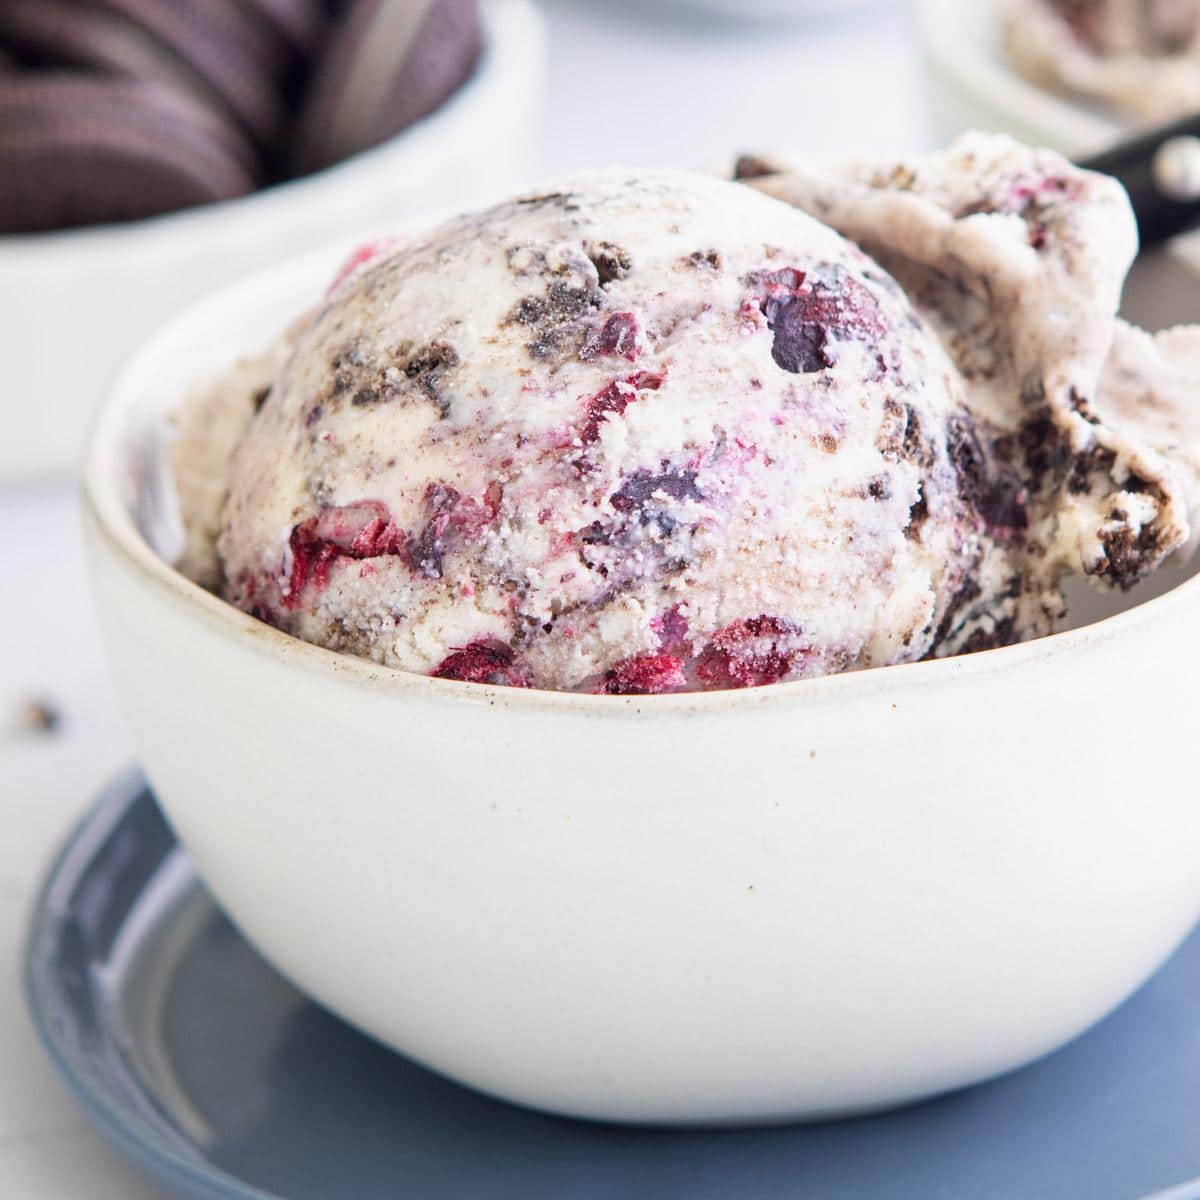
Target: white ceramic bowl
807,899
74,304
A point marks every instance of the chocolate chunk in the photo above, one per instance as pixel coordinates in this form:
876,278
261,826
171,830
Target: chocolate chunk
611,262
751,166
705,259
428,367
554,319
918,514
994,492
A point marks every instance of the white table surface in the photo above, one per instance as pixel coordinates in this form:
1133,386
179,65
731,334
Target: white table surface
630,81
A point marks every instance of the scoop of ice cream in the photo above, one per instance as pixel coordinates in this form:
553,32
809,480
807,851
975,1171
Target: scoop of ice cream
642,432
651,431
1141,56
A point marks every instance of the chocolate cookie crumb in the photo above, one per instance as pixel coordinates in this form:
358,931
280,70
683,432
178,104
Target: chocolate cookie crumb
751,166
38,717
705,259
611,262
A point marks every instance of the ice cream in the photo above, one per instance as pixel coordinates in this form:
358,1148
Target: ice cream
653,431
1141,56
1017,260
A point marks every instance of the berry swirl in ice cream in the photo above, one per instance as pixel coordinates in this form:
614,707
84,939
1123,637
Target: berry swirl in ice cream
651,431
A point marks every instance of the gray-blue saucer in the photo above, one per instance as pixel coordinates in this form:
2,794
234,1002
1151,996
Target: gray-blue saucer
225,1083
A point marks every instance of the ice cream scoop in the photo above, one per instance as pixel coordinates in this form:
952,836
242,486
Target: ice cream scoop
644,432
652,431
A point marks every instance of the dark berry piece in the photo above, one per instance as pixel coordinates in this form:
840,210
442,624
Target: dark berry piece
428,548
672,630
1002,506
640,487
806,316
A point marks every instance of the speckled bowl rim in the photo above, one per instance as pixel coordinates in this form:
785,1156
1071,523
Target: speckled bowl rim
106,452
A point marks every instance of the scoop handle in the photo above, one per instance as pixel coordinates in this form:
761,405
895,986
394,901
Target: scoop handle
1161,171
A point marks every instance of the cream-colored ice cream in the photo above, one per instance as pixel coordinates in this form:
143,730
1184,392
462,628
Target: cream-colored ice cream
1017,260
1140,56
649,431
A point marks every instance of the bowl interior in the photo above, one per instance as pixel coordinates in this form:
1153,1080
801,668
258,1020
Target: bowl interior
135,428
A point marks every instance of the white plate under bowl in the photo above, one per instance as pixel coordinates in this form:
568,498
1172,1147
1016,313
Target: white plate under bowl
74,304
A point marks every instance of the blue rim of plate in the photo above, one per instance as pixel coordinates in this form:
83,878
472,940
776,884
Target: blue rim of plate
141,1138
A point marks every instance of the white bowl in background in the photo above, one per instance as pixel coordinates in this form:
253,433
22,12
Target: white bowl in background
802,900
74,304
762,10
974,86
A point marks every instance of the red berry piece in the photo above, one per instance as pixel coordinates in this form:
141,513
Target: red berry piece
616,398
359,258
470,517
645,674
484,661
751,653
361,530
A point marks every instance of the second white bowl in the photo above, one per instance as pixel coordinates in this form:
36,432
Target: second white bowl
974,86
